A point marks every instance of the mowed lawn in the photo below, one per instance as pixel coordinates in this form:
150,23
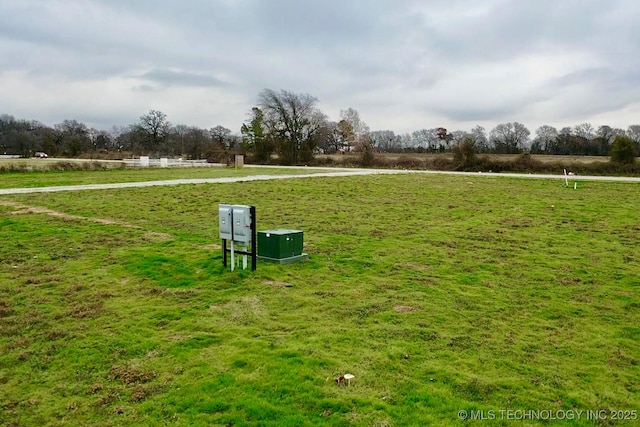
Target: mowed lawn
50,178
439,293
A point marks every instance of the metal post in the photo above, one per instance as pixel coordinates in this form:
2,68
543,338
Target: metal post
224,252
232,241
254,252
233,261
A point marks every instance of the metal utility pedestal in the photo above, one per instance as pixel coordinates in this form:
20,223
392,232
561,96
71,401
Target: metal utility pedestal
253,253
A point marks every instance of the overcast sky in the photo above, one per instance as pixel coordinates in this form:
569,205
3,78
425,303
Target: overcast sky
403,64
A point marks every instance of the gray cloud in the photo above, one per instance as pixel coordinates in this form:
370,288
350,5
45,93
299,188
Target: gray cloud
181,78
410,64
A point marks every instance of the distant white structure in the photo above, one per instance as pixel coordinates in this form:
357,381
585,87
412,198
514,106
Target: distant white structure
144,161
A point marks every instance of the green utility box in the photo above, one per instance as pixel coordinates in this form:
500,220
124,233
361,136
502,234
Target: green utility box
283,246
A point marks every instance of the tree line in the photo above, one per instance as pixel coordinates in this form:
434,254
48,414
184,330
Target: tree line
292,126
153,134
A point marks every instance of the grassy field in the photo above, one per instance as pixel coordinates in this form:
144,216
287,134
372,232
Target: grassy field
439,293
36,178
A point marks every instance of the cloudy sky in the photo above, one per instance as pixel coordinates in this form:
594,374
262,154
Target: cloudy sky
403,64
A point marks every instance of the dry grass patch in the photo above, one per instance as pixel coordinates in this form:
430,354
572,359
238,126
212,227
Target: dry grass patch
86,311
213,247
130,373
417,267
404,308
277,284
182,337
95,388
31,210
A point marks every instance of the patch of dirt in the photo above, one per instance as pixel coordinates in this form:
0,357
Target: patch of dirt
417,267
277,284
567,281
322,294
404,308
95,388
130,374
32,281
139,393
5,309
180,337
212,246
154,236
108,398
86,311
73,289
27,210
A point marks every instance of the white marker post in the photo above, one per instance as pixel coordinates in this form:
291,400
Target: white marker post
244,258
233,263
566,178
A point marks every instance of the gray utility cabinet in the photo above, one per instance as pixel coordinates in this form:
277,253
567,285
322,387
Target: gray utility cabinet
283,246
235,222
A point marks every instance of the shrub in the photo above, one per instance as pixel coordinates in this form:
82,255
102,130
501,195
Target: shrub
408,162
464,154
323,161
367,157
12,167
623,150
220,156
526,163
441,163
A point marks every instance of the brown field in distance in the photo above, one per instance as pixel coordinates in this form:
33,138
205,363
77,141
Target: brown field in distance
545,158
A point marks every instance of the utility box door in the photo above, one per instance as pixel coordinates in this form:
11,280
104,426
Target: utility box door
241,223
225,219
279,244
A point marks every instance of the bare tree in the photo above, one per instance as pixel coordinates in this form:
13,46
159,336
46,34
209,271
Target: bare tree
292,119
427,139
327,138
421,139
197,143
545,137
346,135
565,131
156,128
445,138
633,132
385,140
584,130
509,137
180,131
73,137
334,141
102,140
406,143
357,128
479,137
221,136
458,136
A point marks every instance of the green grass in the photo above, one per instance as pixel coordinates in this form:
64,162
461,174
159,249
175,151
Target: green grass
439,293
38,178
